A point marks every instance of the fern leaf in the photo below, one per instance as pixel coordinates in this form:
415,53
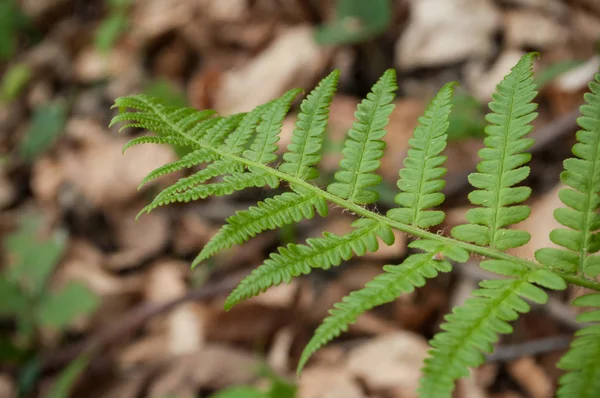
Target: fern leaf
219,167
236,142
156,140
215,135
502,164
582,175
264,145
230,184
192,159
307,139
384,288
421,178
473,328
582,361
364,146
148,118
323,253
272,213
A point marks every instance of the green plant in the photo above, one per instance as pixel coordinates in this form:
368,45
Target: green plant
113,26
26,297
47,124
239,152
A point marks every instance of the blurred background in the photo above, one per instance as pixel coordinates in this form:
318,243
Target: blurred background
95,304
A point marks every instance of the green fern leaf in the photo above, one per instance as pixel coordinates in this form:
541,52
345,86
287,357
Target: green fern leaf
192,159
236,142
272,213
384,288
421,178
323,253
230,184
156,140
502,164
364,146
264,145
582,175
582,361
472,328
307,139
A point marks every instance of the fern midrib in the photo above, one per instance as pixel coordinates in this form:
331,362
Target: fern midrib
315,111
422,179
408,229
499,185
360,159
588,206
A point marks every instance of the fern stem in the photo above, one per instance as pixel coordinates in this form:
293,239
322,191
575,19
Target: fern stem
357,209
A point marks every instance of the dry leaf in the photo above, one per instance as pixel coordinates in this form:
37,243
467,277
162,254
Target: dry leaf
328,382
92,65
137,239
292,60
531,377
390,362
279,354
153,18
7,387
483,80
529,29
441,32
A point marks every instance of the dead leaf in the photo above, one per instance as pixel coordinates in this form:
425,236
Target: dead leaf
328,382
137,239
531,377
153,18
93,167
292,60
530,29
483,80
92,65
7,387
390,362
440,32
279,354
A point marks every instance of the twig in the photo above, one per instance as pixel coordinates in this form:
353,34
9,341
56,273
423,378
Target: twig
509,352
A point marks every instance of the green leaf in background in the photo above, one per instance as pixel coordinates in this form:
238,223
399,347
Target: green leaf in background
9,25
240,392
110,30
66,379
47,124
31,258
356,21
551,72
58,309
467,118
12,299
14,81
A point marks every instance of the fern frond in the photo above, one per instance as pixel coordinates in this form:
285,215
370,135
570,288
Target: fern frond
323,253
264,145
305,149
582,361
148,118
271,213
384,288
421,178
230,184
147,139
192,159
473,328
582,175
502,164
236,142
364,146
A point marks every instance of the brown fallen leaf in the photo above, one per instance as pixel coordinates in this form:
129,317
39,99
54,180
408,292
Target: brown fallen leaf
531,377
433,37
137,239
530,29
293,59
328,382
390,362
482,79
7,190
7,387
